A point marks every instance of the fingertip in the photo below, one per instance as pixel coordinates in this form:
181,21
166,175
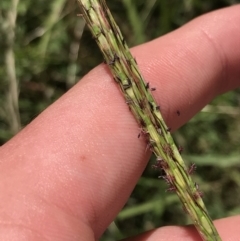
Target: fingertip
228,229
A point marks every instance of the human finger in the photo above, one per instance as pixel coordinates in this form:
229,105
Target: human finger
80,159
228,229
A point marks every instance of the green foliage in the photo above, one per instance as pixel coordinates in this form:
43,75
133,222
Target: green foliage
48,63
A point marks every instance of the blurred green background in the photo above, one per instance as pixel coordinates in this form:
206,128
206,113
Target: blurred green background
51,53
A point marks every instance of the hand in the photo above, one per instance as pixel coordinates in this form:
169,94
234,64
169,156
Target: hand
68,173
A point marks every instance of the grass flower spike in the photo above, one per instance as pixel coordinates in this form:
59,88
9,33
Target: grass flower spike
139,98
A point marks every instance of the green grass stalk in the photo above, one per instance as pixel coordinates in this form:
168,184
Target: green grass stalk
138,96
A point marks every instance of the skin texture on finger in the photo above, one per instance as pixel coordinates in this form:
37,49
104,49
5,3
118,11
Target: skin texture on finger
189,233
71,170
181,69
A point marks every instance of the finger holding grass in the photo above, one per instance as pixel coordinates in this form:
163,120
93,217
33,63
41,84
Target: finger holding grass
141,102
68,174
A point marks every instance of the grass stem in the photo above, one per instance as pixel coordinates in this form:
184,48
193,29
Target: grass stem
146,111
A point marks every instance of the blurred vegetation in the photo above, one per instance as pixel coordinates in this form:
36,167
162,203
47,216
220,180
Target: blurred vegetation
51,53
